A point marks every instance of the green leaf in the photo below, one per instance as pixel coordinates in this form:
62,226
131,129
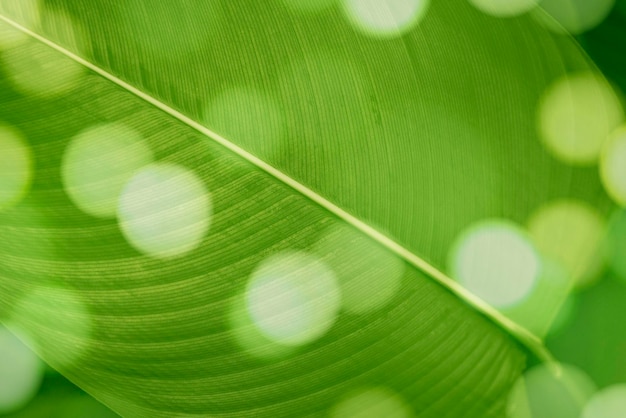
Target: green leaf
342,157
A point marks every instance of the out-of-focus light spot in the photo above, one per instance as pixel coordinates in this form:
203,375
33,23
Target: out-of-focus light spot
308,6
57,321
11,37
36,69
21,373
540,308
293,298
576,115
16,167
385,18
248,337
369,275
572,234
170,28
504,8
555,391
616,243
98,163
372,402
608,403
574,16
24,12
247,117
613,166
165,211
497,262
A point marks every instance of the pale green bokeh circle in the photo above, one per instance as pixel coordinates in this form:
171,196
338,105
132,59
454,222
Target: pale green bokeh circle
372,402
497,262
293,298
613,166
551,391
165,211
26,13
248,118
504,8
97,164
576,115
11,37
572,234
16,166
36,69
369,275
385,18
58,323
248,336
575,16
308,6
608,403
21,372
538,310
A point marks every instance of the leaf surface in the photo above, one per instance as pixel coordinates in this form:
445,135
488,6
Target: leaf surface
325,129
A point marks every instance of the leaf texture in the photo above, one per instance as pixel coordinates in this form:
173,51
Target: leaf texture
417,136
